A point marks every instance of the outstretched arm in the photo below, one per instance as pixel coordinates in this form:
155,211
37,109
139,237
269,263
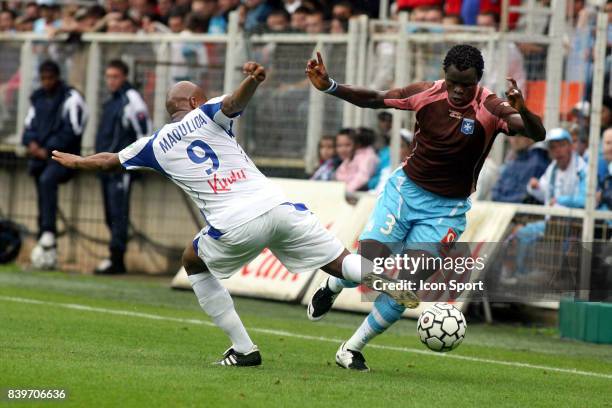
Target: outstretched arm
362,97
100,161
525,122
239,99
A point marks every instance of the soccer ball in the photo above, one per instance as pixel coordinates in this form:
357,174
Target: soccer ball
441,327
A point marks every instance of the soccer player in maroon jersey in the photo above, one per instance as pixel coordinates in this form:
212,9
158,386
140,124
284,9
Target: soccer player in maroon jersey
425,200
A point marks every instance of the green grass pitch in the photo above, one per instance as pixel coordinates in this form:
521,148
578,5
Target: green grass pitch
134,342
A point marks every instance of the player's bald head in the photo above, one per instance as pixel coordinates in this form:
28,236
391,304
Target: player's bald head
184,96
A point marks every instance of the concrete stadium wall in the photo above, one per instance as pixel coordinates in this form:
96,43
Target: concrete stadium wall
159,214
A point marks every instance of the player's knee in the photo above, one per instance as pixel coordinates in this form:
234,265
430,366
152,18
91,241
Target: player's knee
191,262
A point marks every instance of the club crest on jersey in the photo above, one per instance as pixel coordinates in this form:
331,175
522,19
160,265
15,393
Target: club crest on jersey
467,126
450,237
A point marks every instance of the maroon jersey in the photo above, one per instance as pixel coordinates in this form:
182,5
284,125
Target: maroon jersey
450,143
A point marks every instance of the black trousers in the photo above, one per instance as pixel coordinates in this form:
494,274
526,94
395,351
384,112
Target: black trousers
116,192
48,175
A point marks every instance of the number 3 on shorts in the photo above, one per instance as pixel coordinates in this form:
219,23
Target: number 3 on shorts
389,225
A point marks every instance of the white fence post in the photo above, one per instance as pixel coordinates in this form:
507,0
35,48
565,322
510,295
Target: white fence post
348,111
316,106
26,69
92,88
161,84
554,65
588,222
362,51
233,35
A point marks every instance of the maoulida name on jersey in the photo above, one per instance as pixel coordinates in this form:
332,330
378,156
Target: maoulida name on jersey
188,126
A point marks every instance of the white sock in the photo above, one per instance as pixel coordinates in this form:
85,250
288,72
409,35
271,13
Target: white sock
216,301
352,267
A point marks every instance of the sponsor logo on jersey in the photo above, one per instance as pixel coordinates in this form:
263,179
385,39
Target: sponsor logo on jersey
224,184
467,126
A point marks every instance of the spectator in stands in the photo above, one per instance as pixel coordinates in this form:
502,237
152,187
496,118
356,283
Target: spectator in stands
342,10
315,22
124,119
117,6
383,169
385,122
338,26
150,24
204,8
564,181
328,160
526,161
7,21
563,184
190,58
604,195
254,13
55,120
278,21
298,19
49,17
452,20
580,141
516,63
125,24
140,8
176,20
218,22
359,159
163,10
427,14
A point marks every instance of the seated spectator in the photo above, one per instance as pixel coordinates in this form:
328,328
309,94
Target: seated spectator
562,185
526,161
604,196
254,13
338,26
55,121
516,63
163,10
359,159
384,162
278,21
7,21
452,20
298,19
218,22
342,10
315,22
328,160
176,20
49,17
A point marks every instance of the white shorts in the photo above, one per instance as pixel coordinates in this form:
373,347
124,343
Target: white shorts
293,234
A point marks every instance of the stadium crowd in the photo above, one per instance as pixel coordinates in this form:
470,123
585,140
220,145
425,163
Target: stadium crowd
211,16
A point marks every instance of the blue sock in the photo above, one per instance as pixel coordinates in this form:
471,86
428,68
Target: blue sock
384,313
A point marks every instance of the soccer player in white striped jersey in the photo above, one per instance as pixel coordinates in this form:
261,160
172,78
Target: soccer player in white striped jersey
244,210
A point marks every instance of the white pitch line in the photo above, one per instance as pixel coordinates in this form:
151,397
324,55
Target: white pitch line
75,306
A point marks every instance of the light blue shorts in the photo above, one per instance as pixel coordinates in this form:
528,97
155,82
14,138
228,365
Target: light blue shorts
406,213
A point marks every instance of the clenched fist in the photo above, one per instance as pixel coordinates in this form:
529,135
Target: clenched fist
254,70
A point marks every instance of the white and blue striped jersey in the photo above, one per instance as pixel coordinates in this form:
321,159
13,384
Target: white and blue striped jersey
201,155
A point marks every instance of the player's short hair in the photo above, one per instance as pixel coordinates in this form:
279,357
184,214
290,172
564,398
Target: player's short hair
50,67
120,65
464,56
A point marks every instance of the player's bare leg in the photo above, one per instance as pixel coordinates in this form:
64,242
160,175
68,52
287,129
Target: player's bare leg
349,269
216,302
387,309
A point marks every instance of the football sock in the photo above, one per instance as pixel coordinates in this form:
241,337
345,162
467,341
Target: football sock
216,301
384,313
352,267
